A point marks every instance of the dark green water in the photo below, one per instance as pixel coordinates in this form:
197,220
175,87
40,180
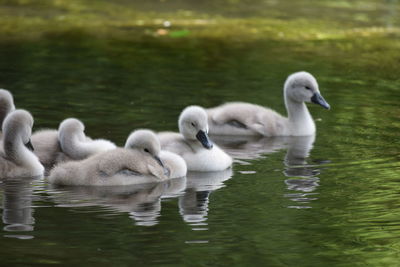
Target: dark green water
332,201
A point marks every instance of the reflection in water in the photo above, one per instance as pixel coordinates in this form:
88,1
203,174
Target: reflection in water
142,202
302,177
193,205
296,157
306,182
17,206
249,147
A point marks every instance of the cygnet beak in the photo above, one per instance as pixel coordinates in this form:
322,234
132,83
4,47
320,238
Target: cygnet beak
159,161
157,158
29,145
318,99
204,140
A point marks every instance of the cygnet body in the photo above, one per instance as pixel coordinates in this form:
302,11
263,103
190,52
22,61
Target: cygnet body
175,164
193,143
68,143
238,118
74,142
6,104
148,141
17,159
47,147
137,163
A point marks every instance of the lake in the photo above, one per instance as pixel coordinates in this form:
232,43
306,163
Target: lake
326,200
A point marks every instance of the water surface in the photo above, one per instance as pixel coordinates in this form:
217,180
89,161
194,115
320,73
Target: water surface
330,199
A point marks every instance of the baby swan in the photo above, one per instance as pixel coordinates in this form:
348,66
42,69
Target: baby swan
137,163
18,160
68,143
238,118
6,104
147,140
193,144
174,163
74,142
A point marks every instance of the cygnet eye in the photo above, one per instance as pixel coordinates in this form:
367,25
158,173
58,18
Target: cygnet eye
146,150
193,124
308,87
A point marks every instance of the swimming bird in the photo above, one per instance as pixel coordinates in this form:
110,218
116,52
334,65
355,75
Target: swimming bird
193,143
138,162
239,118
17,158
68,143
174,164
6,104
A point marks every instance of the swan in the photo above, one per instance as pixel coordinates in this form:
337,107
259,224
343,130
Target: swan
6,104
17,158
193,143
75,144
143,138
138,162
174,163
68,143
239,118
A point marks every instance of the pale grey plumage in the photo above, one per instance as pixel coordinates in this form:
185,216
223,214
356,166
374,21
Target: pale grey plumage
74,142
114,167
47,146
16,159
149,142
175,164
238,118
192,143
6,104
137,163
68,143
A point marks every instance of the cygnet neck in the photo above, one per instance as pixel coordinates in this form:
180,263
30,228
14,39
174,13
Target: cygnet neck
74,145
300,119
6,104
13,146
16,151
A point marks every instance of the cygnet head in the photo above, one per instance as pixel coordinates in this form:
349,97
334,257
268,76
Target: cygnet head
70,127
18,125
303,87
193,125
146,142
6,104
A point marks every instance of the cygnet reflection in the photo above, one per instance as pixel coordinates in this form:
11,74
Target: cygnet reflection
302,177
243,148
17,206
142,202
298,150
193,204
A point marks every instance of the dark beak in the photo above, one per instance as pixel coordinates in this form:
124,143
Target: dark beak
29,146
318,99
159,161
204,140
166,170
